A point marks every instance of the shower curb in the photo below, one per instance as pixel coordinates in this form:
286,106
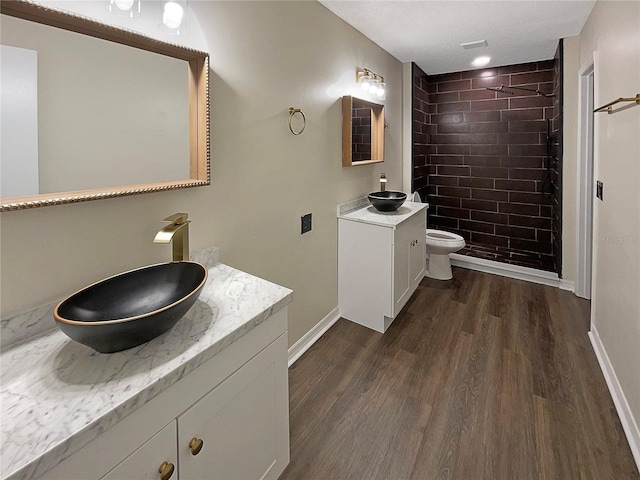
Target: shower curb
511,271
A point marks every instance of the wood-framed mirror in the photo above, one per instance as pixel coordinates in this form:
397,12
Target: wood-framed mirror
173,126
362,132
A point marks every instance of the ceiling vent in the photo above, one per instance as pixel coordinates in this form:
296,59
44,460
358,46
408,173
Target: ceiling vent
476,44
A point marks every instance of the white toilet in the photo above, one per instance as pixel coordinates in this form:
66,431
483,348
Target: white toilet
439,245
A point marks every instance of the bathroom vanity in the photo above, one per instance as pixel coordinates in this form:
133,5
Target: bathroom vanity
381,261
208,399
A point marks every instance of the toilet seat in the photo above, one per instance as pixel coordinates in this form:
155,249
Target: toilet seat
439,238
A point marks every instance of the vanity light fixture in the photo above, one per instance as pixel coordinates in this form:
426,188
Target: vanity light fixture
173,16
124,8
371,83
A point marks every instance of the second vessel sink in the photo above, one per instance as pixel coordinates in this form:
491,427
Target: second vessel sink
131,308
387,200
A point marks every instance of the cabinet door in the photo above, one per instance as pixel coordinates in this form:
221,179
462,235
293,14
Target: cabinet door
145,462
401,280
409,260
243,423
417,256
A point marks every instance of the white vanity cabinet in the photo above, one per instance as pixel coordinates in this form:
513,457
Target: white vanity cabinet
381,261
227,420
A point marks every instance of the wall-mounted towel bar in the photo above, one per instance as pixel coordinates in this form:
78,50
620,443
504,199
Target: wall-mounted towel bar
609,106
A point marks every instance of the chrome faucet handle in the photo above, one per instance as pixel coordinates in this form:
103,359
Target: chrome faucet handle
177,218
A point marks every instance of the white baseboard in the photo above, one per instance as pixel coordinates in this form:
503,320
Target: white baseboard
567,285
297,349
629,424
512,271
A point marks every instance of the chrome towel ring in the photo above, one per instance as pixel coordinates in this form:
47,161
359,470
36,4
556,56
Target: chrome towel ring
292,112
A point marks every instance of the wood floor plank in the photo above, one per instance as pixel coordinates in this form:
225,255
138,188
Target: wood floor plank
545,457
479,378
434,459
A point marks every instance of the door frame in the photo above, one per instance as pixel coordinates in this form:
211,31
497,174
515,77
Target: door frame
585,172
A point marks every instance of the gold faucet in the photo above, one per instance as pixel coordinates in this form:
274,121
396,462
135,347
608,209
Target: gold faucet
383,182
178,233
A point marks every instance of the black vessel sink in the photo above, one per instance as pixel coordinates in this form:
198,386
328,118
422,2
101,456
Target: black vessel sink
387,201
131,308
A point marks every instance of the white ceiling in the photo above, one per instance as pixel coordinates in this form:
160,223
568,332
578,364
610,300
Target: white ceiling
429,32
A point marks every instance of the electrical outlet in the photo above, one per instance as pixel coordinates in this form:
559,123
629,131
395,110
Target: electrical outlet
599,188
305,223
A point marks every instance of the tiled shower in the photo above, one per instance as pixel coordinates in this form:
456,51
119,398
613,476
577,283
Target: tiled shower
489,162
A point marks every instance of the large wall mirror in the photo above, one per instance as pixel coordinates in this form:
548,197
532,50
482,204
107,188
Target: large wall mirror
362,132
93,111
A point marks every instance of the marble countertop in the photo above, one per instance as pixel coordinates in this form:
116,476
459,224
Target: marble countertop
369,214
57,395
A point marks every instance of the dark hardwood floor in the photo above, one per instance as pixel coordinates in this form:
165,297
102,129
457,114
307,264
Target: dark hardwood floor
480,377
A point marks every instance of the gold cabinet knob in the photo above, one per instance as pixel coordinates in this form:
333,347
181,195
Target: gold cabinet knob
195,445
166,470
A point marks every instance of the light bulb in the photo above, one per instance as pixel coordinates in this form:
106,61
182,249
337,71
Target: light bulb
381,90
172,15
124,8
124,5
365,83
373,89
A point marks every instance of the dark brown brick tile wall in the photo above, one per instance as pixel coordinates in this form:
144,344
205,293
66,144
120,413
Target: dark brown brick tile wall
422,129
556,177
489,156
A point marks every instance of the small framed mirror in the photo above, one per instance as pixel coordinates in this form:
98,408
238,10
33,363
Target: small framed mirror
362,132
